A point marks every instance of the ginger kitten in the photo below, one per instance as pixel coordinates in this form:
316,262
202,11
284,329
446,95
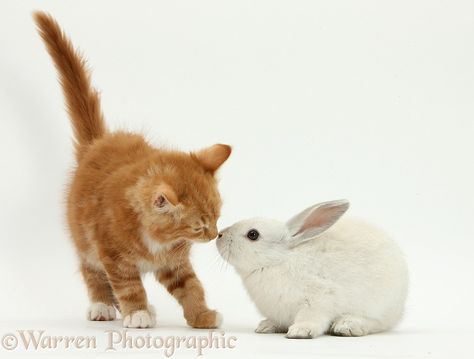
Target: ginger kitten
133,208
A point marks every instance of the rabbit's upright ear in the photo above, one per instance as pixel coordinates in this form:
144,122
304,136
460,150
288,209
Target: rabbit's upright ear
315,220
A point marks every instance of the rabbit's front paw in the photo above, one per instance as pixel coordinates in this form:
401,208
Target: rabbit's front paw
267,326
299,331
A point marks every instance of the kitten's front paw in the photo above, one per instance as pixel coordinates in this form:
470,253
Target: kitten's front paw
140,319
297,331
209,319
100,312
267,326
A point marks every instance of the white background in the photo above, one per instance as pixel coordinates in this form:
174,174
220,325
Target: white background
367,100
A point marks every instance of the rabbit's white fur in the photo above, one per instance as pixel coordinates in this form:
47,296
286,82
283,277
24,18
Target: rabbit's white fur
349,280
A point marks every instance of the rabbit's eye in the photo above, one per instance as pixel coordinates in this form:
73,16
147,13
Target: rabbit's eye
253,234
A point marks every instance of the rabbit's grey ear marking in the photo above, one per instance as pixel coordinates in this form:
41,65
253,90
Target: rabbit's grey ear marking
316,219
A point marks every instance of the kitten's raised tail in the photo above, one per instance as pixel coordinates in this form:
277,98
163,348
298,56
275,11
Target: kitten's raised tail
82,100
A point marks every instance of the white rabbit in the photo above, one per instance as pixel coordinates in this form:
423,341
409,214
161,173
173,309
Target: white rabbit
312,275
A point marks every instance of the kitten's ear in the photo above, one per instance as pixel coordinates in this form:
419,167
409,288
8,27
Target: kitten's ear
213,157
165,198
315,220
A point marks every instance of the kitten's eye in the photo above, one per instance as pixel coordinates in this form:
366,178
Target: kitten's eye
253,234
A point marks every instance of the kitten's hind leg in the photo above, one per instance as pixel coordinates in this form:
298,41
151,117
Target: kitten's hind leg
100,294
